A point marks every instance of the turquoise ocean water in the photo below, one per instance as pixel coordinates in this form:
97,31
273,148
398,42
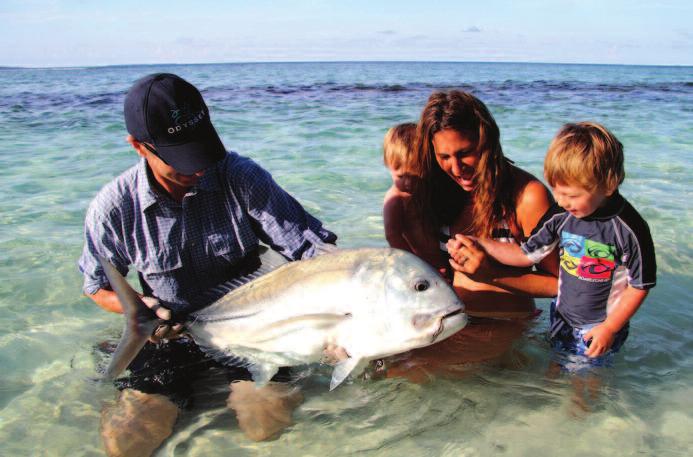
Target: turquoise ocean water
318,128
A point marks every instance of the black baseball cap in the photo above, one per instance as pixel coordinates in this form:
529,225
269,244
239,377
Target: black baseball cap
168,112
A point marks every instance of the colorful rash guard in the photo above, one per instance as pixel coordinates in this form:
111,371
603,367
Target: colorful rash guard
600,255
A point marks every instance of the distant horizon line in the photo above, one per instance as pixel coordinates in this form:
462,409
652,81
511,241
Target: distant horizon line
68,67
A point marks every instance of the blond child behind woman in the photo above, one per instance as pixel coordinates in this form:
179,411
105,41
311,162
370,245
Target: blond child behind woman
404,227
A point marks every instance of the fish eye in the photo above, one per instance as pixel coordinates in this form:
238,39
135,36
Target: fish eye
421,285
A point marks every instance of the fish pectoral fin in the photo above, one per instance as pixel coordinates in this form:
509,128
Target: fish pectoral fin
262,373
343,368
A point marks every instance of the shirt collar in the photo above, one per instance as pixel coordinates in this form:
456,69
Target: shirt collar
612,207
149,196
145,191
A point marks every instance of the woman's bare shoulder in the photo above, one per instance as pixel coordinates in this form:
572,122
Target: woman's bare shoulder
532,201
529,190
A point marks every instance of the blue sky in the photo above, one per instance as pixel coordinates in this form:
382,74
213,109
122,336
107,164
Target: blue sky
42,33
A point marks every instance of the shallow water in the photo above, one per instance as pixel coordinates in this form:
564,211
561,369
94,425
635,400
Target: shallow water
318,128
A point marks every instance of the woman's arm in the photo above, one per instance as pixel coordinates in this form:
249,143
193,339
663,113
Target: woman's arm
478,267
533,201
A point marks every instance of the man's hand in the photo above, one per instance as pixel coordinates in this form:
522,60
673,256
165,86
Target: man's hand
155,305
324,248
602,338
166,330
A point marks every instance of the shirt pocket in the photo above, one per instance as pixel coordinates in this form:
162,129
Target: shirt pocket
222,248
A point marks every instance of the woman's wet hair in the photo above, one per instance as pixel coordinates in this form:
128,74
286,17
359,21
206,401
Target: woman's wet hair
494,194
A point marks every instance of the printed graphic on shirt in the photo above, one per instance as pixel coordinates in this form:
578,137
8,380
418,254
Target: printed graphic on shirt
586,259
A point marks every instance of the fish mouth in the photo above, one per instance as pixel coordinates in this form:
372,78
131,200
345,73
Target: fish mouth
441,324
452,313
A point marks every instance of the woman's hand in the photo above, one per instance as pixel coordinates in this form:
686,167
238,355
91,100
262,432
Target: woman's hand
469,257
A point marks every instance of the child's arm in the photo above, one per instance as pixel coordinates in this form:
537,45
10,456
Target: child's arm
507,253
602,335
642,275
520,282
393,220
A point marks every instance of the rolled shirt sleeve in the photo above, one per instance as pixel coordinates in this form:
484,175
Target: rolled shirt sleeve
99,240
278,219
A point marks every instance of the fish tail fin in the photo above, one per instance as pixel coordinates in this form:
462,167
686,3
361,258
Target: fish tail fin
140,321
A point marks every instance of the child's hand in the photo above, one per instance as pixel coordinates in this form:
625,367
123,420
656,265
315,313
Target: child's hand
602,338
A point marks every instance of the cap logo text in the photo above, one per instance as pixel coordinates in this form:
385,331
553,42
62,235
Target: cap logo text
184,118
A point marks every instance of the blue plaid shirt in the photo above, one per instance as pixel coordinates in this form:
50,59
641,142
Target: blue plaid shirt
182,249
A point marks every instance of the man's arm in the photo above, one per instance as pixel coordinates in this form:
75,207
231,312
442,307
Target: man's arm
106,299
602,335
279,220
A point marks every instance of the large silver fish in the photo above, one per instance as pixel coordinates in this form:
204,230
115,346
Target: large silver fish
362,303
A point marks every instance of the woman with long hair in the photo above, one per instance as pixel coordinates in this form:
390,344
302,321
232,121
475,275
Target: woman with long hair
469,187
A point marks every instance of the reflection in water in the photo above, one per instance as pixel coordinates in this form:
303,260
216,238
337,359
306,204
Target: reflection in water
482,340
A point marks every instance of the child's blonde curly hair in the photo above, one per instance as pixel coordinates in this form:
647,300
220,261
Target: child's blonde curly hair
585,154
398,148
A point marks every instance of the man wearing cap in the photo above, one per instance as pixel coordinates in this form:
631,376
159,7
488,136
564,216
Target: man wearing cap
184,218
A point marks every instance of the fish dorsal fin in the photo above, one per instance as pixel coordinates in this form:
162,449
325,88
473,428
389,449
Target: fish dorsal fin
261,262
342,370
140,321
